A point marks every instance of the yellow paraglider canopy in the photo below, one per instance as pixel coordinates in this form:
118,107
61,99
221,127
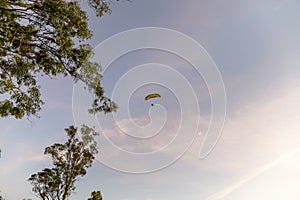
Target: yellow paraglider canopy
154,95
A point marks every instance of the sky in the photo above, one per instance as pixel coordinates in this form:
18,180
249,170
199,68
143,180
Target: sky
154,152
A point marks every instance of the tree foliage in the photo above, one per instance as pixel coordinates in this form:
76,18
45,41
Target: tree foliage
71,161
37,37
96,195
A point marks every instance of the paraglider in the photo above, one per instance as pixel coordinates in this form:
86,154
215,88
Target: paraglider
151,96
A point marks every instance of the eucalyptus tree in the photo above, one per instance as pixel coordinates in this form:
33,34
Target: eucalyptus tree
46,38
96,195
70,162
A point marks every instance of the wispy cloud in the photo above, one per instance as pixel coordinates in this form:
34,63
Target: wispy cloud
228,190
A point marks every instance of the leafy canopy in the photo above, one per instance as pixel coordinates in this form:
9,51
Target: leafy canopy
71,161
96,195
37,38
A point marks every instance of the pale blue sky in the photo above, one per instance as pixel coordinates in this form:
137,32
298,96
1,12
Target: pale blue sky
254,43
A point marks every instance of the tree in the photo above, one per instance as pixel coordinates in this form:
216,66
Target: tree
96,195
71,161
45,37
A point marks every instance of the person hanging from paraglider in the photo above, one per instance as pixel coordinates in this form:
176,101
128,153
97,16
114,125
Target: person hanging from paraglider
151,96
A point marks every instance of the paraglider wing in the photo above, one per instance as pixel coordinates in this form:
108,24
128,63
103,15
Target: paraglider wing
154,95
